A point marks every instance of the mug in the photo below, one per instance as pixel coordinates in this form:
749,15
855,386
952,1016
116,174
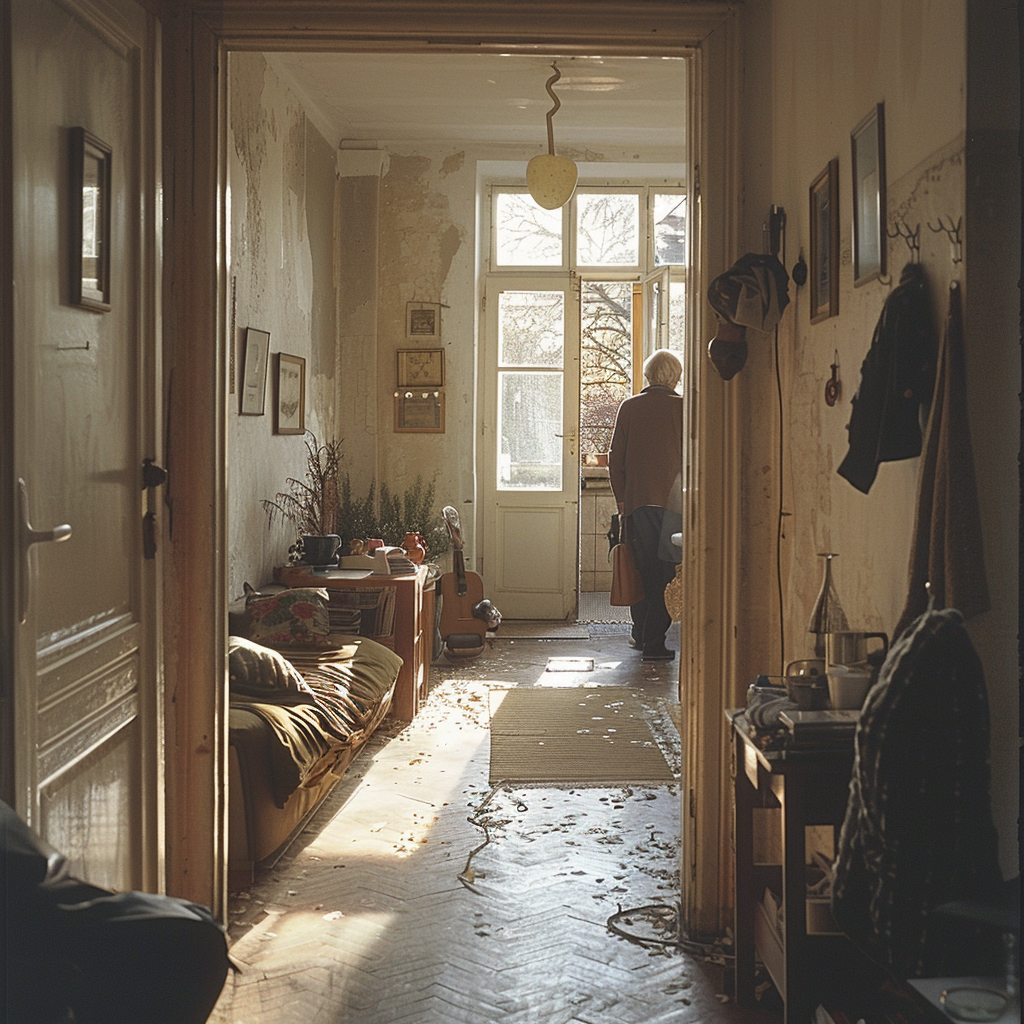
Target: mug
850,647
848,687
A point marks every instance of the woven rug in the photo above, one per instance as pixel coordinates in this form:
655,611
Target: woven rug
583,736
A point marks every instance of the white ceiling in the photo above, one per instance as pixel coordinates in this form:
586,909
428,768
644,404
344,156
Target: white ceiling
619,103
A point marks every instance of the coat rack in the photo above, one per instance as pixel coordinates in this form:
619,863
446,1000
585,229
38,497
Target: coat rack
952,232
912,238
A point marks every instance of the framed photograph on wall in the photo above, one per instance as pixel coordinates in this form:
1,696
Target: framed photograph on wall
254,372
420,367
423,321
419,412
290,407
825,243
868,162
89,192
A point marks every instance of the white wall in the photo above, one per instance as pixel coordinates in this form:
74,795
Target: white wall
282,194
813,72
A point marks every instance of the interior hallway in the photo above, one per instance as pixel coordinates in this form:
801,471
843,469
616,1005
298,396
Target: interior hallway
365,918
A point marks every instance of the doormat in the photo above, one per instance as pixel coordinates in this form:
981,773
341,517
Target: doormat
522,629
582,736
569,665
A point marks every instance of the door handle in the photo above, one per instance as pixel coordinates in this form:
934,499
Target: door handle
30,536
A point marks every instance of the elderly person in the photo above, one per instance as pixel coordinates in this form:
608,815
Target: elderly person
645,463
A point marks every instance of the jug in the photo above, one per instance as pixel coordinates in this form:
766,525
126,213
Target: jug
850,647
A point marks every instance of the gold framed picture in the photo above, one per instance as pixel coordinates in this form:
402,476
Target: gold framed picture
420,367
419,412
423,321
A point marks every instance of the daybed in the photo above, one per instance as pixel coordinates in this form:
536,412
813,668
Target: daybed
303,701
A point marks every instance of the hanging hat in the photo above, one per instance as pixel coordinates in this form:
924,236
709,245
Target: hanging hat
753,293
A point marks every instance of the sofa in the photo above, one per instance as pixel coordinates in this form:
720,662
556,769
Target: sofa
303,701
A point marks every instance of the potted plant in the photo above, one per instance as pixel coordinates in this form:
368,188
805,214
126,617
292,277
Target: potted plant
311,504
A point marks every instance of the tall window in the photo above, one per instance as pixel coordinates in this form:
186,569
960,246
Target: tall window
627,246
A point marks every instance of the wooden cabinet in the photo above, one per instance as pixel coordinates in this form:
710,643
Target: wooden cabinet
807,787
407,627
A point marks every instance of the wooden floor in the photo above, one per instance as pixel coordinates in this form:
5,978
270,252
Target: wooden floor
394,907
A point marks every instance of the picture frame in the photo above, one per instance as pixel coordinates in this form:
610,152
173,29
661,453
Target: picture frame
290,404
867,144
89,205
824,269
254,372
423,321
419,412
420,368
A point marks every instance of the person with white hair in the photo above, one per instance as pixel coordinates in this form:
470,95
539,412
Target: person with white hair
645,465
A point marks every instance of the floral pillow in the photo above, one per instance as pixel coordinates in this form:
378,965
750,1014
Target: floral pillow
295,617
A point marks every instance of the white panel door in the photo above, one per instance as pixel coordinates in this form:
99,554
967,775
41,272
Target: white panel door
531,457
87,721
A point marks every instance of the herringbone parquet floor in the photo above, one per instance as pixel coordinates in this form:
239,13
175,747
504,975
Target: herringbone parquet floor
394,908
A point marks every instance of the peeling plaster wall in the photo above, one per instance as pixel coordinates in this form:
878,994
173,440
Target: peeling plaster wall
813,71
282,196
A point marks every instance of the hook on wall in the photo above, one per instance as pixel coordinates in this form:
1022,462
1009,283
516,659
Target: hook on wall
912,238
952,232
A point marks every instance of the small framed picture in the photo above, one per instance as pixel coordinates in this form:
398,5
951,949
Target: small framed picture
254,372
867,143
423,321
420,367
419,412
89,221
825,243
291,395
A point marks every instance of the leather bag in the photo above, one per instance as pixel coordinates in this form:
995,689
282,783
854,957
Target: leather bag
627,588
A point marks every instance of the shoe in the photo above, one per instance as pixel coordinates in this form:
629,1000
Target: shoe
660,653
635,644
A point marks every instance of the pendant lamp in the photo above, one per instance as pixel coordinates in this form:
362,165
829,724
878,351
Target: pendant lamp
551,179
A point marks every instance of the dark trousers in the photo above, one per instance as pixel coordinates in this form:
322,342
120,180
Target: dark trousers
650,532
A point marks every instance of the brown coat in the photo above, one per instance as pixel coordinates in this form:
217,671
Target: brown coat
646,454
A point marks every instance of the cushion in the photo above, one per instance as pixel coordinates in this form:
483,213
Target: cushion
297,617
258,671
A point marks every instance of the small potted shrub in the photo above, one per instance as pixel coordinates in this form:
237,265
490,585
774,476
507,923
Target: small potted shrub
311,504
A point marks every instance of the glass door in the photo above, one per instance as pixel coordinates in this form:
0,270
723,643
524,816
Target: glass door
531,438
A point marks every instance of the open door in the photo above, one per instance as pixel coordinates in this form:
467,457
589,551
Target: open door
531,459
87,764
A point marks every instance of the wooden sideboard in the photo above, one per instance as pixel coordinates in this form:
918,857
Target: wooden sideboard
409,631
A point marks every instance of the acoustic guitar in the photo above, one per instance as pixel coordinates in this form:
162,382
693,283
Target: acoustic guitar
461,591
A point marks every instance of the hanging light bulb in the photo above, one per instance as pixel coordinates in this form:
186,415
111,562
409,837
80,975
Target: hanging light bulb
551,179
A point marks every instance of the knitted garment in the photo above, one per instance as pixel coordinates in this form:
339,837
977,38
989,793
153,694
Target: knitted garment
918,830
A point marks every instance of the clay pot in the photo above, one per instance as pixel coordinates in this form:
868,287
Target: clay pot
414,547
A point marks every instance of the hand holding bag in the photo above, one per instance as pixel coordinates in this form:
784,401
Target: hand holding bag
627,588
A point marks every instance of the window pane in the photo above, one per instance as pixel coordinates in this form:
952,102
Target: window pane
607,230
669,229
531,328
529,428
526,234
606,360
676,316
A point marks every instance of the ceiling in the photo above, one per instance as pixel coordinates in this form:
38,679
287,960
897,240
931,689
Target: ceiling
615,103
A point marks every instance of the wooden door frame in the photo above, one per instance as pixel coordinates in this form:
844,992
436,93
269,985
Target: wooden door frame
198,34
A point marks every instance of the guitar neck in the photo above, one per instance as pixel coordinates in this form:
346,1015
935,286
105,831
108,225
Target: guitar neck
460,572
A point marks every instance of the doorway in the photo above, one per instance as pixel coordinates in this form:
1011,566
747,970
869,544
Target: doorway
575,300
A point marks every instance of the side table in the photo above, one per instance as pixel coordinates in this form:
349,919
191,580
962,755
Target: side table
409,634
810,786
